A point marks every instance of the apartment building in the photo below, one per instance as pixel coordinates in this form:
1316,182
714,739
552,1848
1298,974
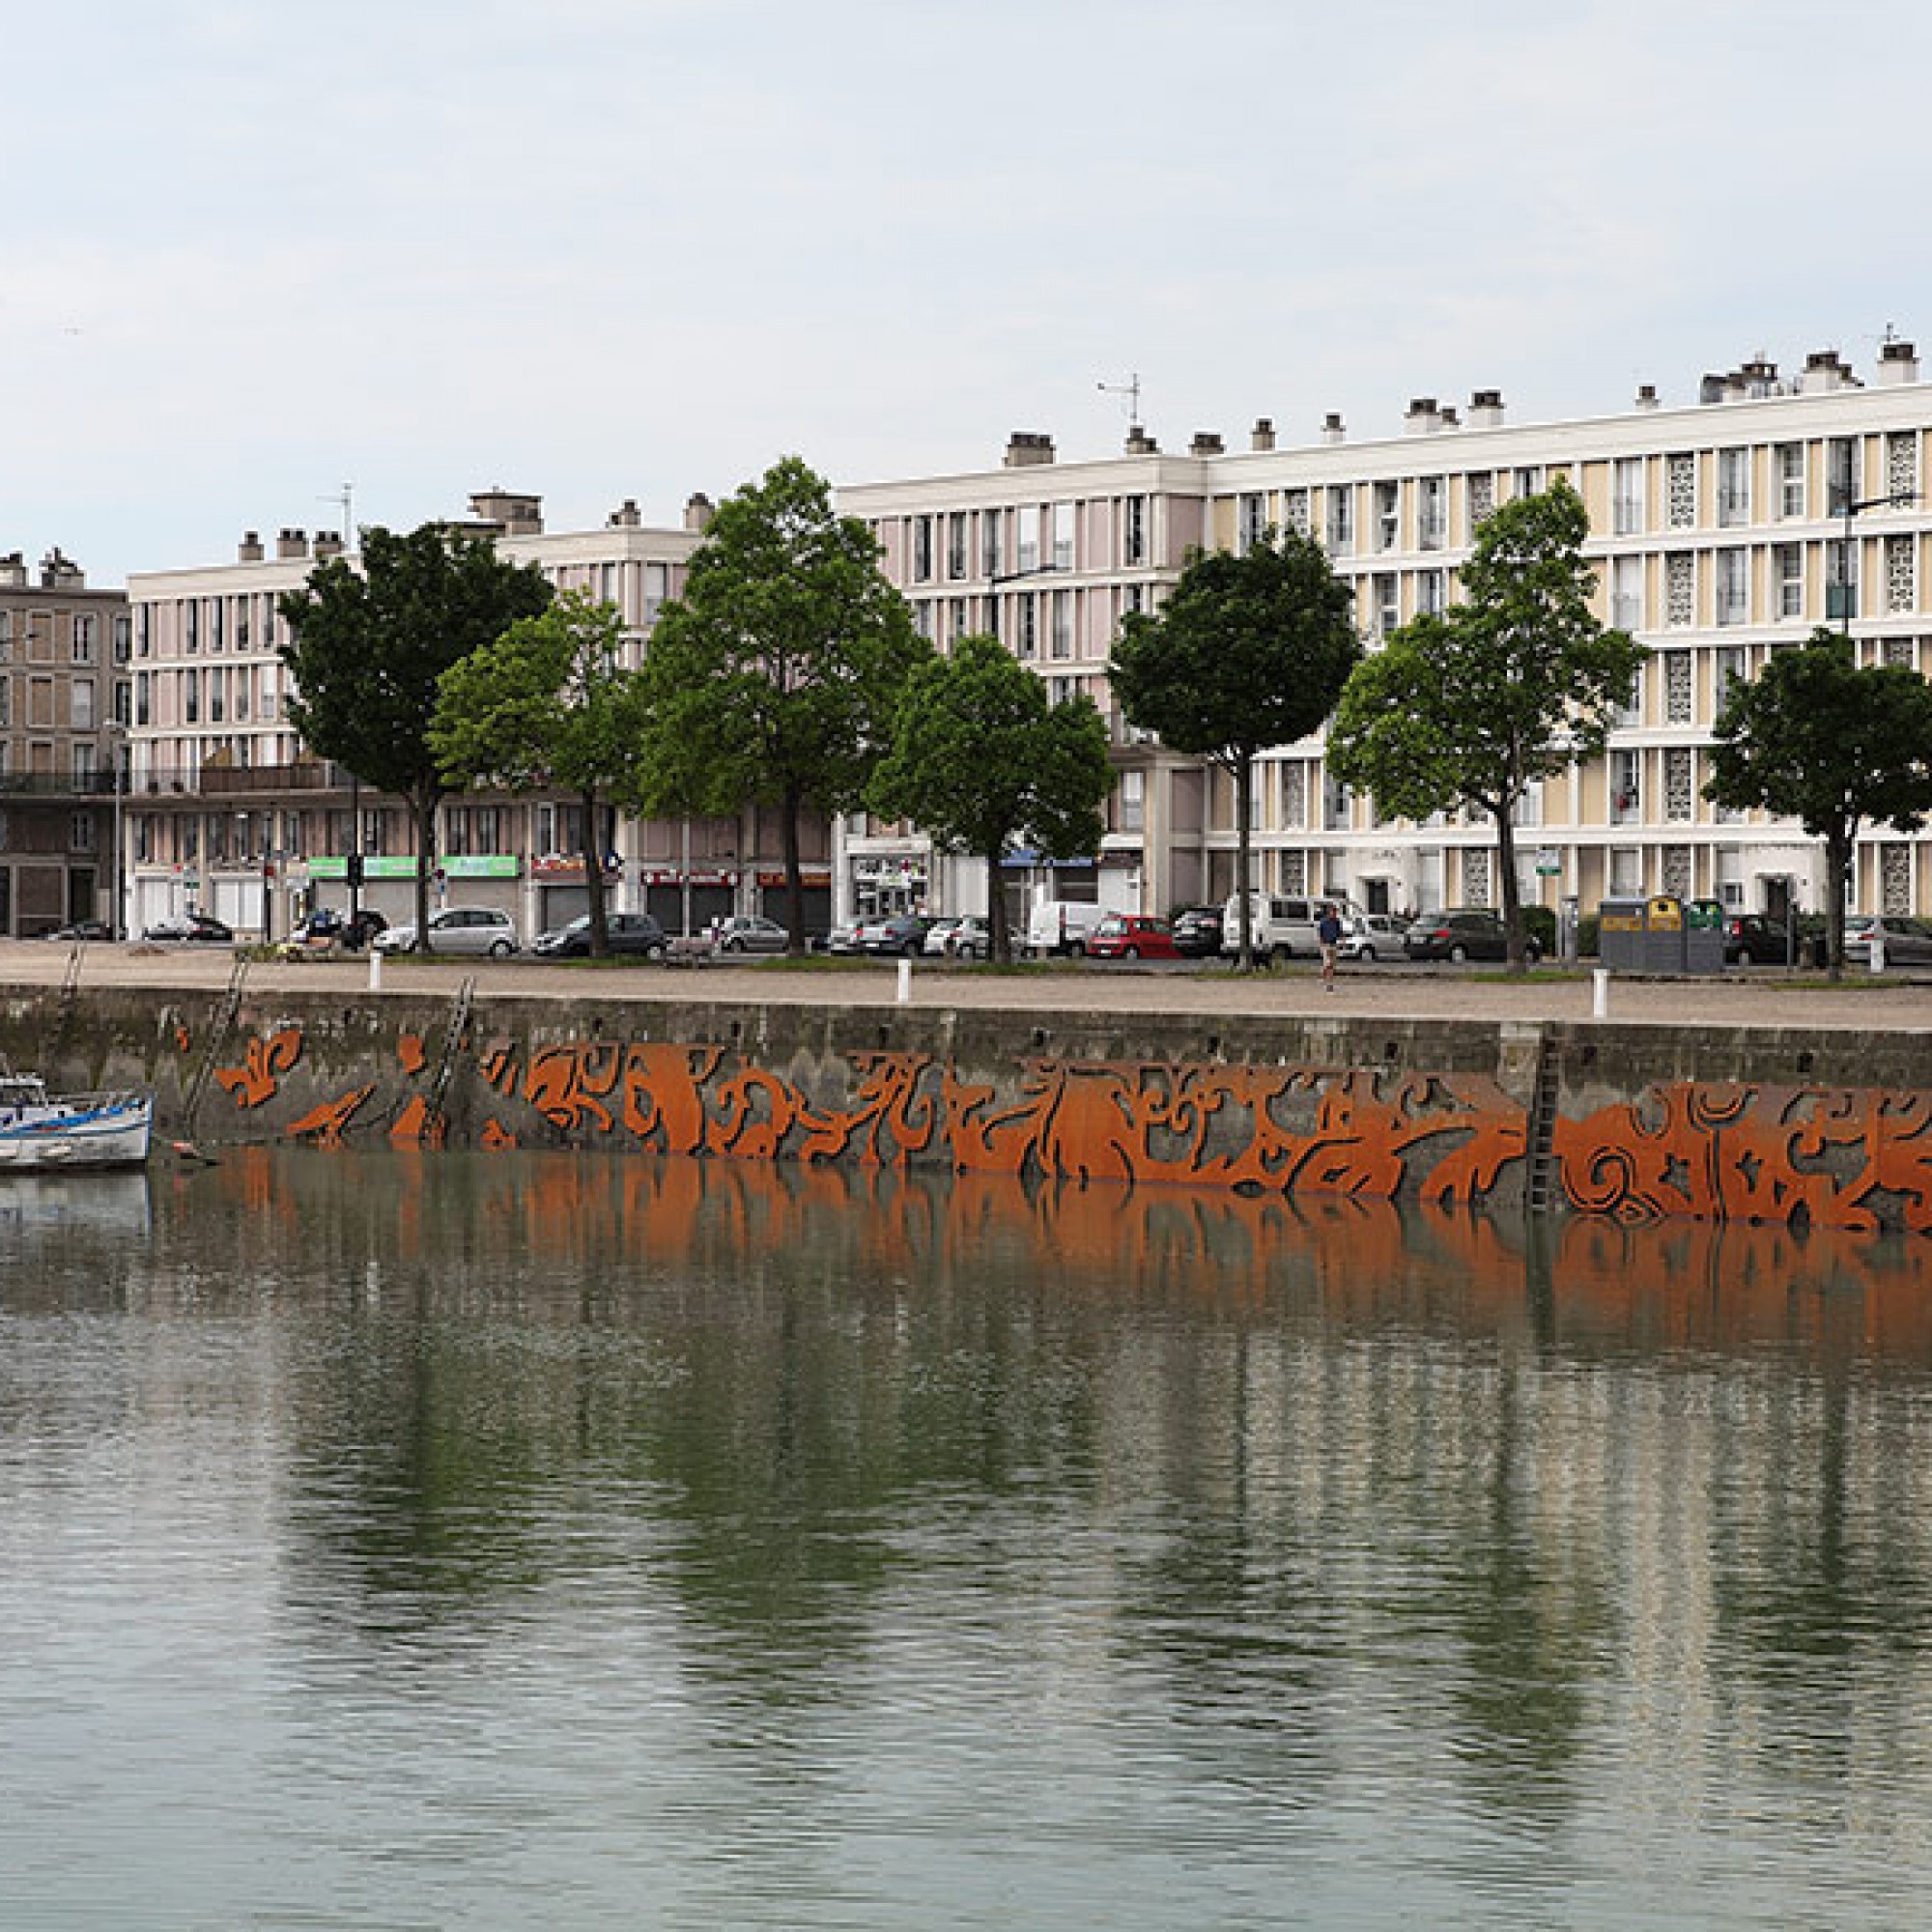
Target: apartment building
230,812
63,709
1723,528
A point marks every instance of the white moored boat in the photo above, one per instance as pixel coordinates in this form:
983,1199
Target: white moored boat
39,1129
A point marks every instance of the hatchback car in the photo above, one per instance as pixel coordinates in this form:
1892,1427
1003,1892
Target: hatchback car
466,932
1907,942
900,936
748,932
1197,931
1371,936
1751,939
1133,935
972,938
1462,932
195,928
633,935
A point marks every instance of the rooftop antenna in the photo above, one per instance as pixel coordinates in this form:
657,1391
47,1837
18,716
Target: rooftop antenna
345,497
1131,390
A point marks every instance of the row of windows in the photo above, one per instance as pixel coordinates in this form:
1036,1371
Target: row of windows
43,632
968,545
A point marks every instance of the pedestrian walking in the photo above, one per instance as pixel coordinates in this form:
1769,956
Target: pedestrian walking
1328,933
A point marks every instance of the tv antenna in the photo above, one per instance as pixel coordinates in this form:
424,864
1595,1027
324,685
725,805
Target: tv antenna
1131,390
346,498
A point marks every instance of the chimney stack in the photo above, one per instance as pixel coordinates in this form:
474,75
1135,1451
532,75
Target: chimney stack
1026,447
1332,430
249,549
625,516
1422,417
1897,362
1207,442
13,571
1824,371
1486,408
61,573
1140,442
327,544
1261,436
290,546
699,510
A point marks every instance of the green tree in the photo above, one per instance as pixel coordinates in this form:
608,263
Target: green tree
981,759
773,679
367,648
1518,682
1818,738
1247,653
548,707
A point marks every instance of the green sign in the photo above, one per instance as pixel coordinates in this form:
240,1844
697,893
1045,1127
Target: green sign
480,865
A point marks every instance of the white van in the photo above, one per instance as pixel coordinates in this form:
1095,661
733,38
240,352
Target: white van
1280,927
1061,926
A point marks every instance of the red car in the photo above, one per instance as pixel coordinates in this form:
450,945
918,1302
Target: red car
1133,935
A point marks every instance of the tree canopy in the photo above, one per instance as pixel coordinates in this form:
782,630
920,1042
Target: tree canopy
981,760
774,678
1836,745
1247,653
1518,682
367,648
549,706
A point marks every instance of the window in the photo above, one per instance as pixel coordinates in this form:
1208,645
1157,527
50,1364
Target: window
1733,586
956,545
1132,796
1841,479
80,706
1340,519
1789,559
190,697
1062,517
1389,515
84,638
1029,544
1433,512
1626,786
1063,623
1732,668
1388,601
921,550
1733,487
1028,641
1627,593
1133,531
1252,520
1790,479
1528,479
989,543
1841,590
1432,592
657,590
81,833
190,627
1627,496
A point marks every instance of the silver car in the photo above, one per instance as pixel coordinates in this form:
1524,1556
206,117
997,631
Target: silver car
470,931
750,932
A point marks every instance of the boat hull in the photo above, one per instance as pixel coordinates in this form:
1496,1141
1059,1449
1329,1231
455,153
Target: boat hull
100,1131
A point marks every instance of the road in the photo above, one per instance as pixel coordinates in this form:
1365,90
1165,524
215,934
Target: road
1746,997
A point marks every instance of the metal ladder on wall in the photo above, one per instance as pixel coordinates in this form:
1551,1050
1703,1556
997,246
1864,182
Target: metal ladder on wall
453,1037
217,1035
1540,1130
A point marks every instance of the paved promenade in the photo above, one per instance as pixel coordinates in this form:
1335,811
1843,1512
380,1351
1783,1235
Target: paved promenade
1753,997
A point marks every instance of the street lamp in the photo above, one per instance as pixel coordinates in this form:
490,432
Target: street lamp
1847,589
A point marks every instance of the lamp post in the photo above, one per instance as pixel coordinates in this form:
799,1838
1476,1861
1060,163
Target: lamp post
1853,506
119,749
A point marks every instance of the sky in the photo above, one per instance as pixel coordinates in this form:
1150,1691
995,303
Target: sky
259,256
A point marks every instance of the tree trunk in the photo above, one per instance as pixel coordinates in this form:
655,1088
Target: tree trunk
999,929
1837,874
794,873
593,877
1512,893
423,804
1245,784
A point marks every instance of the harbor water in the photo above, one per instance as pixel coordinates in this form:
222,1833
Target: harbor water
394,1542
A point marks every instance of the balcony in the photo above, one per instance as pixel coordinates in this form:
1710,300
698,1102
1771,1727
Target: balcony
241,780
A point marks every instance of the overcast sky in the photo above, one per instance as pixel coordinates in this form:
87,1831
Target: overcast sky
611,248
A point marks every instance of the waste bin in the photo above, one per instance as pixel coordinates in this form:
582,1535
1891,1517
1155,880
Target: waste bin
1661,935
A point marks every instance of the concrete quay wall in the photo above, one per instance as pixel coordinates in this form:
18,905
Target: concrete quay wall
1781,1123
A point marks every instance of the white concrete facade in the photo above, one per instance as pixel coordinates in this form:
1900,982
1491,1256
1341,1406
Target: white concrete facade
1719,533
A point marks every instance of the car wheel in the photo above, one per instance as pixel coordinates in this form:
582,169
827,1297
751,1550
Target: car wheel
1746,956
734,945
1133,953
654,950
1459,955
1367,952
500,948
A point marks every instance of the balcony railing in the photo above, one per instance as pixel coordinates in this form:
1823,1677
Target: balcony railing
238,780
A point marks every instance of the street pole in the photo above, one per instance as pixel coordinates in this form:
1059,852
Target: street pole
1847,577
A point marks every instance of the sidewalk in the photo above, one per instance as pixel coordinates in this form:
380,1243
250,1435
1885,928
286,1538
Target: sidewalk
1747,997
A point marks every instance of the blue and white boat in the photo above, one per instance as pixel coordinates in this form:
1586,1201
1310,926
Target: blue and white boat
44,1130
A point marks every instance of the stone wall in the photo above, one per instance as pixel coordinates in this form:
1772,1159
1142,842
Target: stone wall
1631,1121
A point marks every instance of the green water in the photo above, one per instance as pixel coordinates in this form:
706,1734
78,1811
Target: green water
507,1541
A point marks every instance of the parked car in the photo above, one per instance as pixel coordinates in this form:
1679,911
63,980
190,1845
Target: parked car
1907,942
1280,927
939,937
1061,926
901,935
1133,935
748,932
1462,932
970,938
634,935
843,937
1197,931
81,930
466,932
192,929
1372,935
1751,939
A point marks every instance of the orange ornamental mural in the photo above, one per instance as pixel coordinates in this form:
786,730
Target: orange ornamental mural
1853,1158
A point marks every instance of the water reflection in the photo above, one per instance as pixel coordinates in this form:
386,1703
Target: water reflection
805,1547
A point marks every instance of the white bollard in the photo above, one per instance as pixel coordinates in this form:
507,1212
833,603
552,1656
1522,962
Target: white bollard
374,971
906,982
1600,993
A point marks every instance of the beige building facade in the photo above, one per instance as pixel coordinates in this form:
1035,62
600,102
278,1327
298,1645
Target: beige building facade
1720,530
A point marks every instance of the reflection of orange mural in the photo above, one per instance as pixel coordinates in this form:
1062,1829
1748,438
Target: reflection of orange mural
1755,1154
327,1122
254,1081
